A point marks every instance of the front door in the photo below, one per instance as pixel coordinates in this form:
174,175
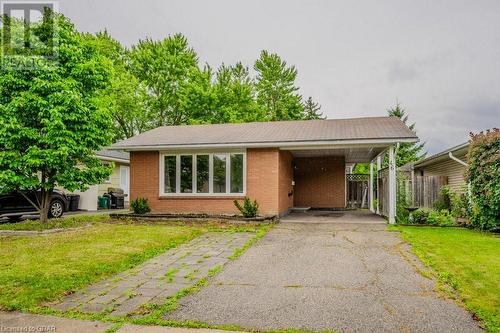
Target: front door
124,180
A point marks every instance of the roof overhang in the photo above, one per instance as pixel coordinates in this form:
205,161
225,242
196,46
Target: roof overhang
285,145
458,151
113,159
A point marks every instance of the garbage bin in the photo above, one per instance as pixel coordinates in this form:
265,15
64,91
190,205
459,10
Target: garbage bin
74,200
103,202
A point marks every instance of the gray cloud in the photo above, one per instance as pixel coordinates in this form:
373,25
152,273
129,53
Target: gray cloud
441,59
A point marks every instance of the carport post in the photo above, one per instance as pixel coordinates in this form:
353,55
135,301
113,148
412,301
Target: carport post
370,188
379,166
392,186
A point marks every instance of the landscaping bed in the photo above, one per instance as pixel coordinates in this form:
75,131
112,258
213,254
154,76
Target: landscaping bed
467,266
194,217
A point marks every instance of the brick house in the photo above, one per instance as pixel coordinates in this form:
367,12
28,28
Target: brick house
285,164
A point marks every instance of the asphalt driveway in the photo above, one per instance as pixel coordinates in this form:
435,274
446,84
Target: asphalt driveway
345,273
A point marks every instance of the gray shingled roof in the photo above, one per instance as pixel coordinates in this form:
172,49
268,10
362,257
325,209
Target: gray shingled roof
113,154
278,132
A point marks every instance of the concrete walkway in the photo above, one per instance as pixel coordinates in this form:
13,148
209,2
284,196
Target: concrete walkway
157,279
23,322
326,274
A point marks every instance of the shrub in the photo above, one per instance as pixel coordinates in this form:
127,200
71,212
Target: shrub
140,206
441,218
460,206
447,197
420,216
249,208
483,175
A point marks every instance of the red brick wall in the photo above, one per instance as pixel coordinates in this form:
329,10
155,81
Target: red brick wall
285,181
319,182
262,178
262,185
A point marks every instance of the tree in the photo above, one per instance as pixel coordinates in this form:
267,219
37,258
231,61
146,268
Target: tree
311,110
124,96
275,86
407,152
234,96
167,68
50,122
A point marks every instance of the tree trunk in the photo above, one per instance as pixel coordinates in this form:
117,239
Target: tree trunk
45,205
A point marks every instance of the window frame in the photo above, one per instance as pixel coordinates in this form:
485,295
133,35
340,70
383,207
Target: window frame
194,155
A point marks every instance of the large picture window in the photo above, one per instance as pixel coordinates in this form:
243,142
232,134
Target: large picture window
203,174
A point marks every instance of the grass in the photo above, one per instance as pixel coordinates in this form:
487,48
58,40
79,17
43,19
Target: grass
40,269
467,266
61,223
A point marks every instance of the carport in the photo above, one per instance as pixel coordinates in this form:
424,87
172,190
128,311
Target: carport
319,174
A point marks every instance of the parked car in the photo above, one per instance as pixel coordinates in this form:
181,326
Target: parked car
14,205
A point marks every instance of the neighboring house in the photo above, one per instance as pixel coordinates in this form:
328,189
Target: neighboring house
285,164
451,163
120,177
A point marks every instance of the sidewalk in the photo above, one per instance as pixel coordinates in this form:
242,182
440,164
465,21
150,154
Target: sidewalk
24,322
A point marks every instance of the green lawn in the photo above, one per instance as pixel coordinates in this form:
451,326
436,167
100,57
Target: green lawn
69,221
39,269
467,262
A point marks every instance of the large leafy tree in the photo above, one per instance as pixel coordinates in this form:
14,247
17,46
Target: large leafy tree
276,90
124,96
235,96
50,122
407,152
168,68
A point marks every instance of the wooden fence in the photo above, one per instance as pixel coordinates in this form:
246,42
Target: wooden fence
416,191
426,190
357,190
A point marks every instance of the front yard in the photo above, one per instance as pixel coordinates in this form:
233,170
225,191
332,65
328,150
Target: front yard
467,263
43,268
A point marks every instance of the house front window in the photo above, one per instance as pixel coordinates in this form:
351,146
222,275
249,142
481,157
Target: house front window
203,174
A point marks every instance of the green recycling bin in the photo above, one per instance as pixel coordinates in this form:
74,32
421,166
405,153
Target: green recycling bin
103,202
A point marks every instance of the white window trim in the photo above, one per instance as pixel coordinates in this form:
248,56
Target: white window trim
210,174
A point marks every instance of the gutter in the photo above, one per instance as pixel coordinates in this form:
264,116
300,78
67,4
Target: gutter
283,144
450,154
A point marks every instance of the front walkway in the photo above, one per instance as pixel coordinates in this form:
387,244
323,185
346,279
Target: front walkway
159,278
26,322
335,275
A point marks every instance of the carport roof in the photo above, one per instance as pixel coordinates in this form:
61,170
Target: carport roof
381,130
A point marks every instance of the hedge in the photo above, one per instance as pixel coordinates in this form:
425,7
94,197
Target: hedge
483,175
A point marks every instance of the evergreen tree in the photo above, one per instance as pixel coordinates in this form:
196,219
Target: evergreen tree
407,152
311,110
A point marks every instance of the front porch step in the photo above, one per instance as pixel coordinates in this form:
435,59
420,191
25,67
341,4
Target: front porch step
300,209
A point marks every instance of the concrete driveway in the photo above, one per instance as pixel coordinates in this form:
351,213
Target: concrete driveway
344,273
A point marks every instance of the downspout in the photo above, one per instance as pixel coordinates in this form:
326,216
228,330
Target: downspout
450,154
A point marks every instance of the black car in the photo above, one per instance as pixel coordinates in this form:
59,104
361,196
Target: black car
14,205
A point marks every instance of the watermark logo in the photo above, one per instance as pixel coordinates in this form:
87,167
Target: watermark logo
28,33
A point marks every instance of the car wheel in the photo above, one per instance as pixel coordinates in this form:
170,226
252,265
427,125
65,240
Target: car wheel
56,209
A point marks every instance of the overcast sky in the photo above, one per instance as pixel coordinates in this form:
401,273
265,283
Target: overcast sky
440,59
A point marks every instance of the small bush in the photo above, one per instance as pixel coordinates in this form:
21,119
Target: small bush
441,218
140,206
249,208
420,216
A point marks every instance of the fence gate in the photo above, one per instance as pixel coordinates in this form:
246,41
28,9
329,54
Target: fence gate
357,190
